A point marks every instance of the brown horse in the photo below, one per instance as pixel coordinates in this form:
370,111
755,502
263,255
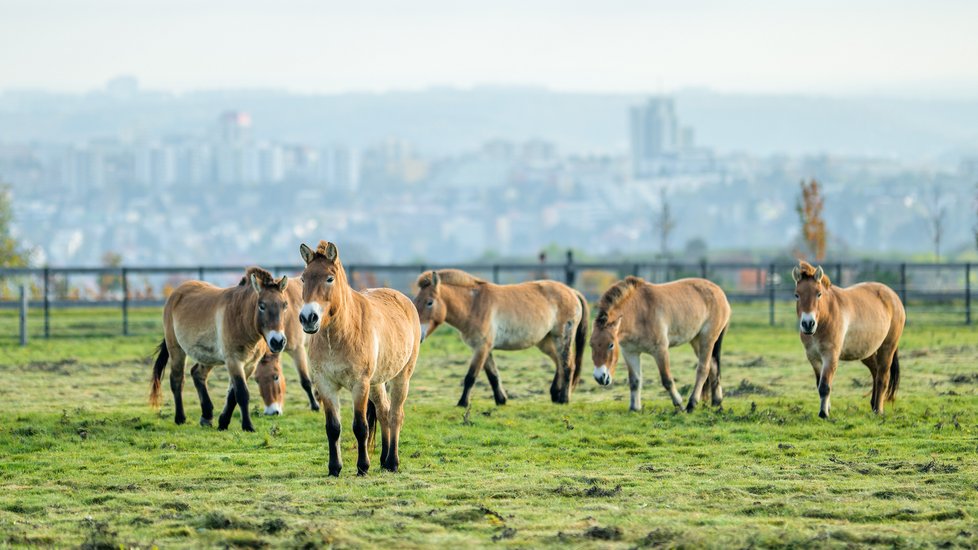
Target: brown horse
863,322
638,317
546,314
295,347
362,341
234,326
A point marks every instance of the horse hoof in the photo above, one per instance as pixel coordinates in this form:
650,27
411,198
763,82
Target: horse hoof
462,403
335,472
179,420
206,422
501,400
691,407
314,407
248,428
823,414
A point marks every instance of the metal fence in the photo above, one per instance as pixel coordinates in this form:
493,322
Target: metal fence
58,301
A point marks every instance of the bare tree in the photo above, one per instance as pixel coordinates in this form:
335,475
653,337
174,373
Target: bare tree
936,213
809,208
664,223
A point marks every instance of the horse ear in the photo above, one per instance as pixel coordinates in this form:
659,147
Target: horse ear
818,274
332,254
615,324
254,283
306,252
282,283
434,278
796,274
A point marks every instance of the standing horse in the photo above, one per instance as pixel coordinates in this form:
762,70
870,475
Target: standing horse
362,341
295,346
546,314
234,326
863,322
640,317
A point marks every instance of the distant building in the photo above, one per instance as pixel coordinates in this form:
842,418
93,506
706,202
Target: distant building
234,128
654,134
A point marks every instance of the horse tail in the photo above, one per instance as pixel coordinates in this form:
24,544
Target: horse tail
894,384
371,423
716,351
580,338
163,355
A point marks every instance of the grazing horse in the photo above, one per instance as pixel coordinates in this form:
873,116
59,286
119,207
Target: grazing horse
863,322
361,341
546,314
640,317
234,326
294,346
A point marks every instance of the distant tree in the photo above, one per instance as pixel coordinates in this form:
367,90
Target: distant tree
110,283
809,208
11,254
695,249
936,213
664,223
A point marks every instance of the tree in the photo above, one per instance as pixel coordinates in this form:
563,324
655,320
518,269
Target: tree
809,208
664,223
936,213
11,254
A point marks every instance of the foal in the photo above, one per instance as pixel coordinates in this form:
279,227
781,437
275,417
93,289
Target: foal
361,341
234,326
546,314
864,322
638,317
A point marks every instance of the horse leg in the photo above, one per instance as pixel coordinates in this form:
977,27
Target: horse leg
361,393
240,382
178,359
884,362
382,404
547,347
199,374
478,359
634,363
492,374
565,343
224,420
829,364
661,356
870,363
703,367
300,358
329,399
399,391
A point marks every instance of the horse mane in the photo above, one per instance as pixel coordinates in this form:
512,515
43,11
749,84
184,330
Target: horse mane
808,272
264,277
615,296
453,277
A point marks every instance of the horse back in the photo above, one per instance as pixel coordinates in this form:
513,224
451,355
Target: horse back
523,314
391,322
676,311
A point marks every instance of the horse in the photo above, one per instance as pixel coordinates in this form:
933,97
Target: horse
362,341
863,322
637,317
234,326
295,347
546,314
271,383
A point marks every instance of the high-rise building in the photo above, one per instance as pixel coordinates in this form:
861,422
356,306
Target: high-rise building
654,134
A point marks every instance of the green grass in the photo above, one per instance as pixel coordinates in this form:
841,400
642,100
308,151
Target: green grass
83,460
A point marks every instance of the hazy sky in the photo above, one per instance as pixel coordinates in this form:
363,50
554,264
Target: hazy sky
836,47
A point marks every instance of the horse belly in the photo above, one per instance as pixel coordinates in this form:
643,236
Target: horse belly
860,344
205,348
510,338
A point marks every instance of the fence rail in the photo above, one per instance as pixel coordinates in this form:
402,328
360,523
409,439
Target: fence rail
937,293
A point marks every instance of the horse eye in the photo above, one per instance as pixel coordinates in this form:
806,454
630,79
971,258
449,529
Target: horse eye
329,279
430,303
796,296
611,345
276,378
261,306
819,295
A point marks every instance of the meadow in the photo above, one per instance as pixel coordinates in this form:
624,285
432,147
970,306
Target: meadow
84,460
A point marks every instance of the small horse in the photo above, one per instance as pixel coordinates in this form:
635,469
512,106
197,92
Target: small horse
546,314
640,317
271,383
234,326
362,341
863,322
296,348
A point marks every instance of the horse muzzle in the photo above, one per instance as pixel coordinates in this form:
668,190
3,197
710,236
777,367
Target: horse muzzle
807,324
273,410
602,376
310,318
276,341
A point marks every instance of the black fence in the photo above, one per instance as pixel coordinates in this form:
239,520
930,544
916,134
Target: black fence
760,293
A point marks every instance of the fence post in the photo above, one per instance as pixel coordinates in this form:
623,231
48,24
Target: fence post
903,283
771,294
569,269
838,274
47,303
495,274
23,315
967,293
200,273
703,269
125,302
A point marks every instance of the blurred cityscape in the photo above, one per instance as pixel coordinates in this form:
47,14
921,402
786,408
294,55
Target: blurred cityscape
239,177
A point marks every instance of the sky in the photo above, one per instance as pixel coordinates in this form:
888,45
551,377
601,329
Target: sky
894,48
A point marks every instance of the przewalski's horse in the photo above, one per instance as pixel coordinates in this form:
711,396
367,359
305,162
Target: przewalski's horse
234,326
546,314
362,341
294,346
863,322
637,317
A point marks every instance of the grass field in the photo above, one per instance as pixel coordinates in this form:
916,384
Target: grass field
83,460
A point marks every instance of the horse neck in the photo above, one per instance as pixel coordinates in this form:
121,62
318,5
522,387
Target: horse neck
458,305
347,311
244,306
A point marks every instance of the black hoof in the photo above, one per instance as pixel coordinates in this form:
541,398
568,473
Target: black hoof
690,407
180,419
392,468
248,428
335,472
314,407
462,403
501,400
822,414
207,422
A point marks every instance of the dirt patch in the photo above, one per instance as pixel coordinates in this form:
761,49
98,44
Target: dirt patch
964,379
753,363
603,533
659,537
746,387
593,490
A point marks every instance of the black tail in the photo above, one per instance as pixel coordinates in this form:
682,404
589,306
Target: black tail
716,352
163,355
580,339
894,384
371,423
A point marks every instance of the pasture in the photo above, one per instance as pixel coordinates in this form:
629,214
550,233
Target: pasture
83,459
